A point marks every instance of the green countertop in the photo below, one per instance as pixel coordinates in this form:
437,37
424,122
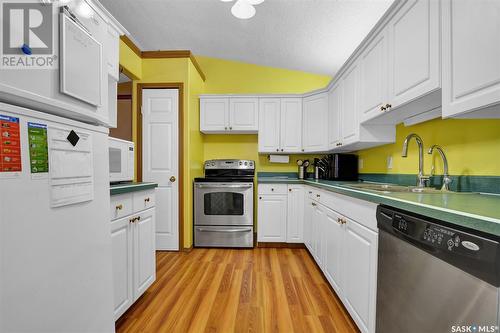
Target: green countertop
130,187
472,210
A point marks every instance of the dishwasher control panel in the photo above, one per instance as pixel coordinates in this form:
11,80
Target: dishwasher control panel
436,235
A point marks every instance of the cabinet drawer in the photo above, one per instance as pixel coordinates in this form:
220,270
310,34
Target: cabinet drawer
313,193
272,189
121,205
144,200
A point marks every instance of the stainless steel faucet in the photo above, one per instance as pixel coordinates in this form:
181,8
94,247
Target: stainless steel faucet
446,177
421,178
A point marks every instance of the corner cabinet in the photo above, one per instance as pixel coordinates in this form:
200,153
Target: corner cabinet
471,53
280,125
315,120
229,115
133,247
280,213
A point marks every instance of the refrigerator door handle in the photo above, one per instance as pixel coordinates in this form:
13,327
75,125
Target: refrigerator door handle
224,230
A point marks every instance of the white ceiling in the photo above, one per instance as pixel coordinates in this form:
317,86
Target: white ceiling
309,35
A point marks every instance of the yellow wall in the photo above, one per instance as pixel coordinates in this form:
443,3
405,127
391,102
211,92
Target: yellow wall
232,77
130,61
471,146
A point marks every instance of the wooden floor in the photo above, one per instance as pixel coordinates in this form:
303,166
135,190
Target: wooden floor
218,290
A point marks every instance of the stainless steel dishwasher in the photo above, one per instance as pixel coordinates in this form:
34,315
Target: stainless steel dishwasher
435,278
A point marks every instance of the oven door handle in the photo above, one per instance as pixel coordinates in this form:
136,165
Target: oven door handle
224,230
223,186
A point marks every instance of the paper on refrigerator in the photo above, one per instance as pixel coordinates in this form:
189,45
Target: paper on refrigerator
71,167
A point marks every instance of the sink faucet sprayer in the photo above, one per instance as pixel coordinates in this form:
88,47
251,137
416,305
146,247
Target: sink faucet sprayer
446,177
421,179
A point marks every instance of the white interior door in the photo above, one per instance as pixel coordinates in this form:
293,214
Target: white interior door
160,160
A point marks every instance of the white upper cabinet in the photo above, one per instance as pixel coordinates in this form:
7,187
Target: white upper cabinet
291,125
402,64
40,89
214,115
229,115
471,59
334,119
269,125
373,78
315,120
414,56
280,125
244,115
349,102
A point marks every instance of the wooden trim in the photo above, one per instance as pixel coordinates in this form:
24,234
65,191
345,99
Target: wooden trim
197,66
174,54
166,85
131,45
166,54
280,245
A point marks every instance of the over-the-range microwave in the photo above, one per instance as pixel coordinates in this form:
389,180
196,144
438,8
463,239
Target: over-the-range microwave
121,160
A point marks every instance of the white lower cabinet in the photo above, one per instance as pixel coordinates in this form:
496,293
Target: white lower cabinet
359,273
280,213
333,231
346,250
271,218
295,214
133,250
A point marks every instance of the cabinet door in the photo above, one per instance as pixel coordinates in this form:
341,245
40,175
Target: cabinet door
414,56
317,235
271,218
121,244
373,78
269,125
113,51
471,53
334,125
333,231
291,125
308,226
359,274
244,115
315,118
349,118
144,252
214,115
295,215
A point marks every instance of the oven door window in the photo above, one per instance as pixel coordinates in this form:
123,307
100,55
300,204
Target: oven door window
223,203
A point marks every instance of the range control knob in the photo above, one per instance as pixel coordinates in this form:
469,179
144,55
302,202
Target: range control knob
450,244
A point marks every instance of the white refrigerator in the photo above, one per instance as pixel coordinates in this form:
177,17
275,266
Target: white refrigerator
55,245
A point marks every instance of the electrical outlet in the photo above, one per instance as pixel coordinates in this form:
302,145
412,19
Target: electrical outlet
360,163
389,162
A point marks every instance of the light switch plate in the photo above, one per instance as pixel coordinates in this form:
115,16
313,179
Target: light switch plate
360,164
389,162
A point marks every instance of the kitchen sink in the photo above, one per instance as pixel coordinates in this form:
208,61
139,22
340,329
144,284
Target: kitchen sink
391,188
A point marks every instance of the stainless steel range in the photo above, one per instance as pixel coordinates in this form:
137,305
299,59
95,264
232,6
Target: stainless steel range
223,204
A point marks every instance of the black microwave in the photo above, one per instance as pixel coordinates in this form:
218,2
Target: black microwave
342,167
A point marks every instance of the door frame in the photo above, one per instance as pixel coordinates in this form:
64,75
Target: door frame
165,85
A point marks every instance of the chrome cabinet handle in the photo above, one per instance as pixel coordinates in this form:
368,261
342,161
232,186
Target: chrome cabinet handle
312,203
388,106
318,195
119,207
383,108
230,127
224,230
146,200
225,128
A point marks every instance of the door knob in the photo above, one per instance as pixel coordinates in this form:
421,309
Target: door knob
172,179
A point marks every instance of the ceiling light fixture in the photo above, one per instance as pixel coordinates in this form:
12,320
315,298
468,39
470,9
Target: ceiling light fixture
244,9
